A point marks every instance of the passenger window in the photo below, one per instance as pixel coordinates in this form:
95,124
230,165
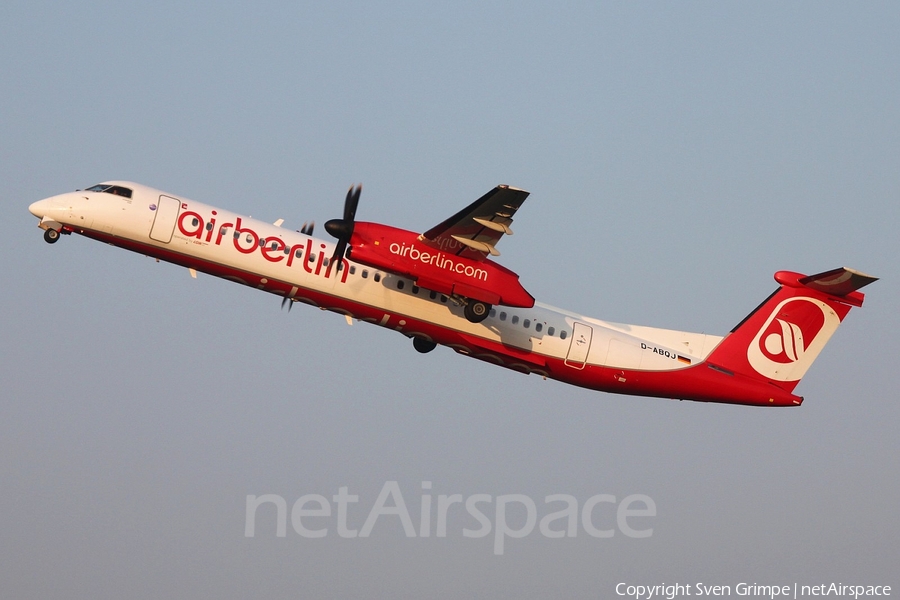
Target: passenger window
444,299
563,334
325,262
503,316
299,253
312,257
399,284
262,242
433,295
526,323
250,239
209,226
365,274
377,277
195,221
493,313
415,289
538,327
352,269
515,319
274,245
550,331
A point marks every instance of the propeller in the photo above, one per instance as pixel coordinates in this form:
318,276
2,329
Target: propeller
342,229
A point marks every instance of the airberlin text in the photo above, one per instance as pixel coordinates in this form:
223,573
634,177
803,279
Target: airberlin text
439,260
514,515
246,241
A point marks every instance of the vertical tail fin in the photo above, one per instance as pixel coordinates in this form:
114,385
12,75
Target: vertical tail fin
779,340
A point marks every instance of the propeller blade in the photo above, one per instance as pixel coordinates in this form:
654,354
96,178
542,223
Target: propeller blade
342,229
352,202
339,251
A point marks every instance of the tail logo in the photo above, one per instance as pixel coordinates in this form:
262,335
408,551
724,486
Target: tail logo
791,338
785,344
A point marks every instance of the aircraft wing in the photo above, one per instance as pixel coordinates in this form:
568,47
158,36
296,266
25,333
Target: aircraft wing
474,231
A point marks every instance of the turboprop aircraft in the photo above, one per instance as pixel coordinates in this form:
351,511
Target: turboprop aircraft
442,287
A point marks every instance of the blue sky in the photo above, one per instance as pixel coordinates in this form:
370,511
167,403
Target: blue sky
677,156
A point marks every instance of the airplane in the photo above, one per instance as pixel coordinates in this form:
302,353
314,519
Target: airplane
442,287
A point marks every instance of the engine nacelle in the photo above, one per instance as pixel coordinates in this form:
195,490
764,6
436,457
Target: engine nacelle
405,253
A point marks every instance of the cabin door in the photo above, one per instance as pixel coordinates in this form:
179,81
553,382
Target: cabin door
579,346
164,220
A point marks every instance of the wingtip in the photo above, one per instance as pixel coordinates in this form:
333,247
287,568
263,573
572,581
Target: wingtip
870,278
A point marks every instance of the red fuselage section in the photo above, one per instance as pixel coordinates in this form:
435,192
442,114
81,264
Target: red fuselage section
407,254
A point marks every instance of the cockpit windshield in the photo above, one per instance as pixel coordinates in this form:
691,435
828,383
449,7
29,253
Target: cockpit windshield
116,190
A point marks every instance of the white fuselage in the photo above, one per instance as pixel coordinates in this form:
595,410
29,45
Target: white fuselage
543,339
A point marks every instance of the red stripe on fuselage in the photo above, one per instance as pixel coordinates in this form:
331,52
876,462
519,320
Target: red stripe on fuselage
698,382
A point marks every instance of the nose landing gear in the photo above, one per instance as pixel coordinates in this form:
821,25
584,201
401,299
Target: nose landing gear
51,236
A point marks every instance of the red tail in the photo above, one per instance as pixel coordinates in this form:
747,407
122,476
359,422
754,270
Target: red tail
779,340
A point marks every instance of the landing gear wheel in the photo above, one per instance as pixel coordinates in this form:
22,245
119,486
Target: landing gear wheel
422,345
51,235
476,311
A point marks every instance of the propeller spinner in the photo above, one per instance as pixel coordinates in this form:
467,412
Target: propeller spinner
342,229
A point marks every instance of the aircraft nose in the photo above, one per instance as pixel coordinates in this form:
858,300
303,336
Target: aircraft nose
46,207
39,208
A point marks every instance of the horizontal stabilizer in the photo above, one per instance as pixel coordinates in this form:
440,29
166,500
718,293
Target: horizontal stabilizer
839,282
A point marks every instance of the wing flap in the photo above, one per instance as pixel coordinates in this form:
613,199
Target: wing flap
474,231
